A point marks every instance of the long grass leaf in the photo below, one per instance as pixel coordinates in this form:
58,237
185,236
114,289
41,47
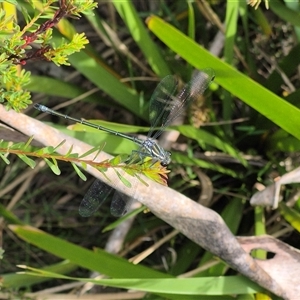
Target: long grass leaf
252,93
142,37
99,261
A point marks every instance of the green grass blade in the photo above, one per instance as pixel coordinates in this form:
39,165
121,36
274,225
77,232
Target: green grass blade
191,24
99,261
104,80
282,141
93,68
252,93
291,215
9,217
14,280
55,87
141,37
187,161
231,28
260,229
262,21
177,286
202,136
285,13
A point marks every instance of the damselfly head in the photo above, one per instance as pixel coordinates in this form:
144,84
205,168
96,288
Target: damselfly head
167,159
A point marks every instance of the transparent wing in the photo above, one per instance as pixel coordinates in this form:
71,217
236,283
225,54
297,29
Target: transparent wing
120,204
94,198
160,99
99,192
172,106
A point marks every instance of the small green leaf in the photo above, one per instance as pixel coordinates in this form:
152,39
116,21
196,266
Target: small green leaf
129,171
141,180
83,165
124,157
16,146
53,166
28,142
123,179
31,163
73,155
48,150
4,158
116,160
79,173
69,151
102,169
115,224
103,173
92,150
60,144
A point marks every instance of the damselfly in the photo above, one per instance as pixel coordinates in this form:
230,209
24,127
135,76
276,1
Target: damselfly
165,106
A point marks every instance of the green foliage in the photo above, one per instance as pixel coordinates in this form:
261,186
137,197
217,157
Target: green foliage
59,55
17,47
1,253
14,2
253,131
267,103
131,167
124,274
12,82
